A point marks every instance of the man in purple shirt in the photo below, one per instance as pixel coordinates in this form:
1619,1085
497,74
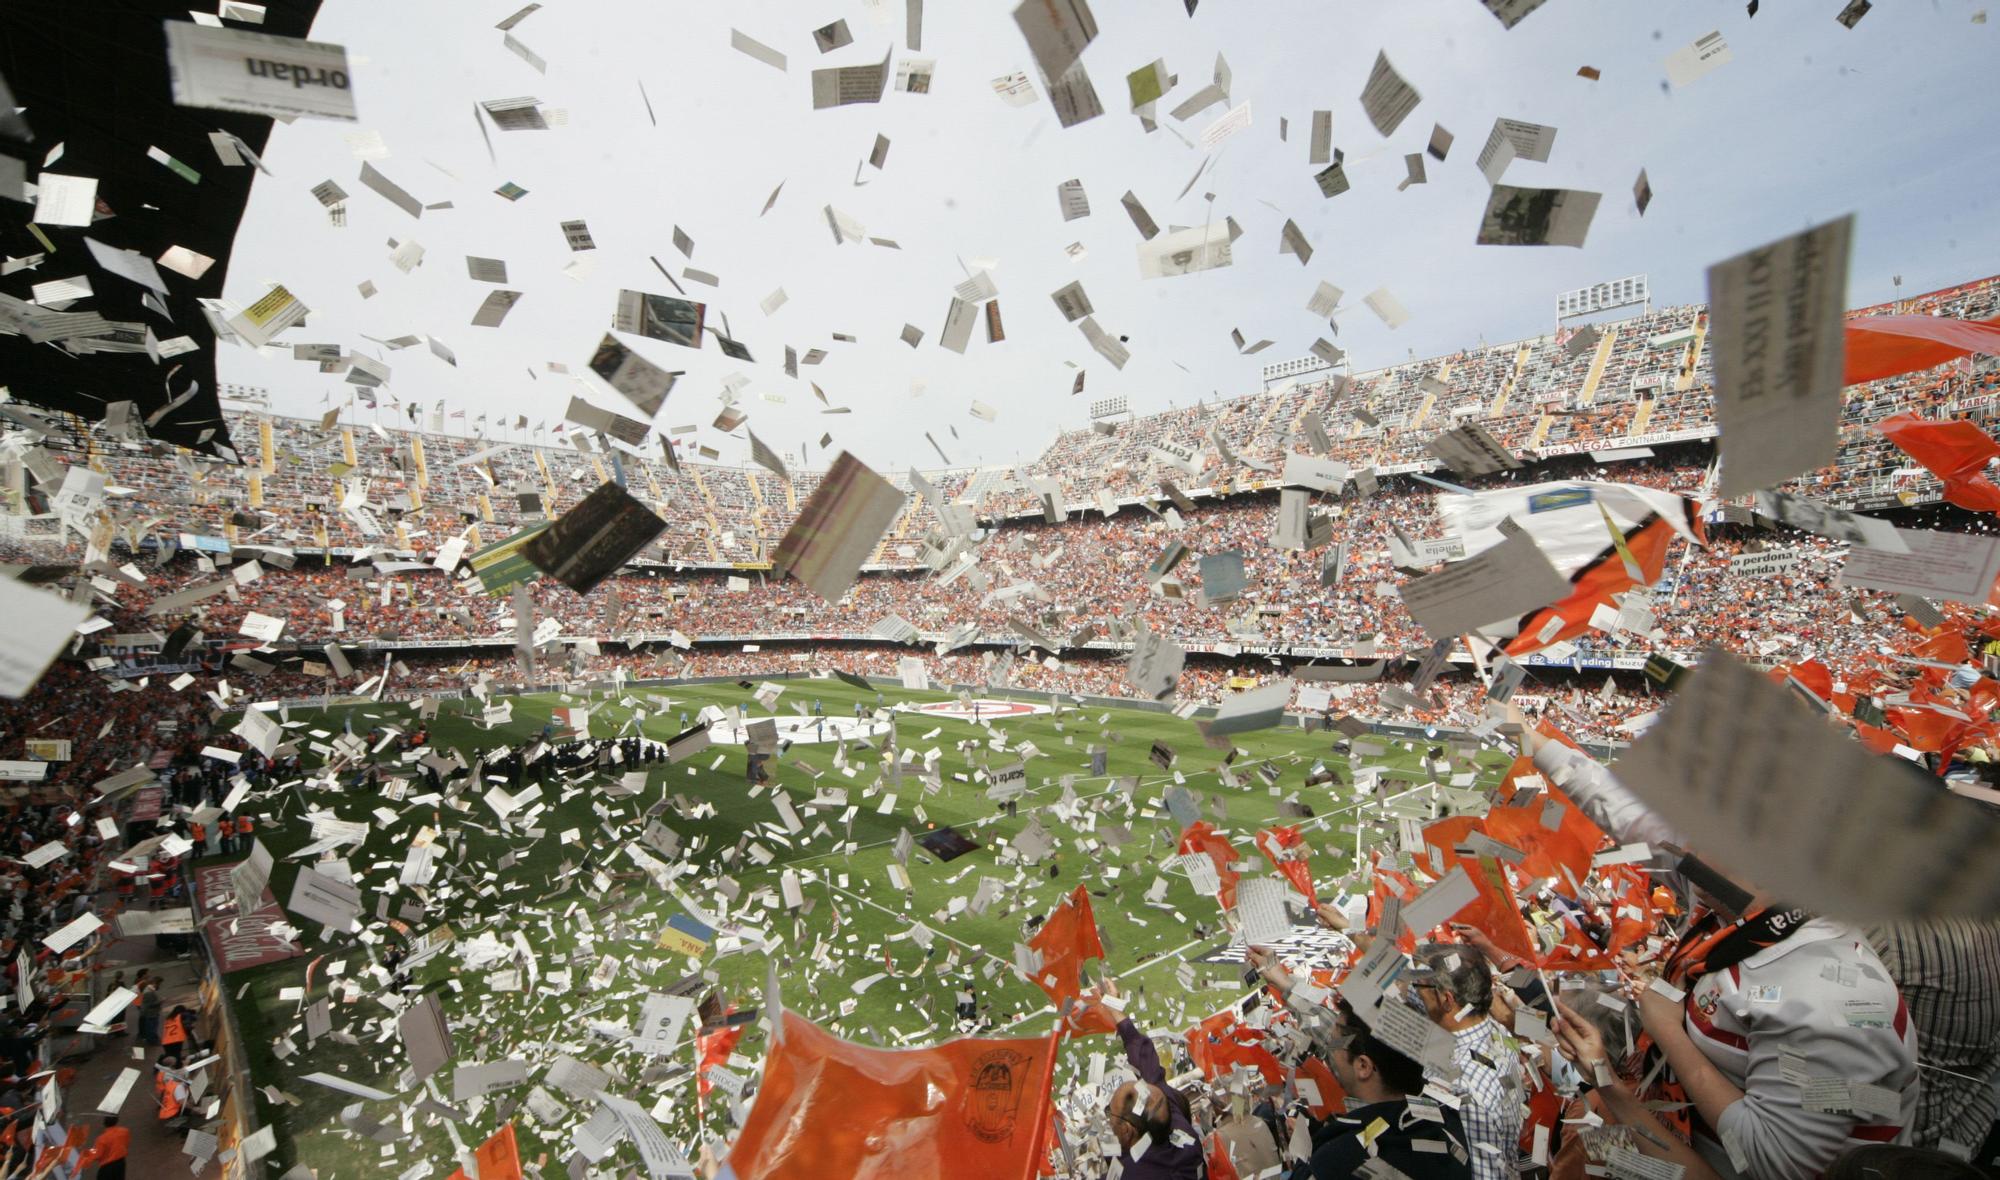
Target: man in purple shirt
1156,1139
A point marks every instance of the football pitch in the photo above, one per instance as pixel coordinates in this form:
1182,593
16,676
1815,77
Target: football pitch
856,951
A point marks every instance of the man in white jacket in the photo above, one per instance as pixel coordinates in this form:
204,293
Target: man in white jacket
1790,1039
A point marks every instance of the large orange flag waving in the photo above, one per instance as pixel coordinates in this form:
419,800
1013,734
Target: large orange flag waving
970,1109
1885,345
1065,941
1956,452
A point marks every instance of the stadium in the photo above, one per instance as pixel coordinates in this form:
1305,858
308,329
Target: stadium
1458,766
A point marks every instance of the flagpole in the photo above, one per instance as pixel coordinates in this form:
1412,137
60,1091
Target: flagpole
700,1107
1039,1152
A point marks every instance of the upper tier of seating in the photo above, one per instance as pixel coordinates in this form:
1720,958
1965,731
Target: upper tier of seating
1644,379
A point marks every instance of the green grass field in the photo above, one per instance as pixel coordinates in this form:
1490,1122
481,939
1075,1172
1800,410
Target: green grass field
855,924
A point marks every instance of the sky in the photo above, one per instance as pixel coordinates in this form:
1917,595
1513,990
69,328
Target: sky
1891,121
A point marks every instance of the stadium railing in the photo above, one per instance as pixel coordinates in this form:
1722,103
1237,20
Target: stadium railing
238,1111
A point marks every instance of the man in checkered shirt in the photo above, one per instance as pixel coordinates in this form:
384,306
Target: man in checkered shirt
1456,988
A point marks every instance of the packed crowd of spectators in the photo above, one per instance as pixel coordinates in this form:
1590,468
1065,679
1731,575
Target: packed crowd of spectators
1081,581
358,486
72,871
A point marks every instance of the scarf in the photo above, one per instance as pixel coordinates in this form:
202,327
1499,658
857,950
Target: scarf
1710,946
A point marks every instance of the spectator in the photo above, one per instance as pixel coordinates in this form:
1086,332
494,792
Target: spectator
1382,1126
109,1151
1771,981
1455,987
1156,1139
1948,971
149,1014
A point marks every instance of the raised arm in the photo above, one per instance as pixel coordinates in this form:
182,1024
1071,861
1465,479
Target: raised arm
1139,1051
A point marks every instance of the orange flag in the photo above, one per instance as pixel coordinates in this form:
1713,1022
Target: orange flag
1632,922
1956,452
1881,346
1947,646
1446,835
499,1158
1523,767
969,1109
1200,836
1065,941
1331,1096
46,1162
715,1049
1389,883
1593,586
1497,912
1219,1044
1220,1166
1937,733
1285,848
1545,1108
1549,852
